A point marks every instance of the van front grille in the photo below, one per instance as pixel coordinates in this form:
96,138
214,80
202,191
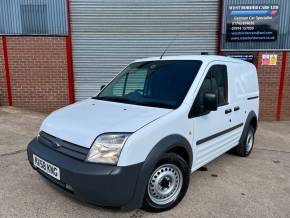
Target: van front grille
62,146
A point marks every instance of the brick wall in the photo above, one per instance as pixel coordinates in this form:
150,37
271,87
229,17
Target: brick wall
285,115
269,80
38,72
3,89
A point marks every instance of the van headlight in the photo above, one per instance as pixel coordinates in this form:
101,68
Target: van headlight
107,148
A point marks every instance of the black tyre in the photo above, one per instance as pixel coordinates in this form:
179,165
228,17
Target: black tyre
245,148
167,184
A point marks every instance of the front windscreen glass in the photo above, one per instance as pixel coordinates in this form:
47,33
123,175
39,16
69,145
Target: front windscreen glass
154,83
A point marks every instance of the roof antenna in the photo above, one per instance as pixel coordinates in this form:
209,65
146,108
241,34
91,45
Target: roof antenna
169,45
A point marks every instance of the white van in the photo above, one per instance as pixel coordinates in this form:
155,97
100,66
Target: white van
136,143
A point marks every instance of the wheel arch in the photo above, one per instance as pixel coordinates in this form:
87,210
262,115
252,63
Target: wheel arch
254,122
182,152
172,143
251,120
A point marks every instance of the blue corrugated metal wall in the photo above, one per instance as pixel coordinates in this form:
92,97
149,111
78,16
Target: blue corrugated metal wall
283,41
33,17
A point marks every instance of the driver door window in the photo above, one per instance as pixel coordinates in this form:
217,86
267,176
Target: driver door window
215,82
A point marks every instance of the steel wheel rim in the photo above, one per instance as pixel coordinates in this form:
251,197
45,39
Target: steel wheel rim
249,141
165,184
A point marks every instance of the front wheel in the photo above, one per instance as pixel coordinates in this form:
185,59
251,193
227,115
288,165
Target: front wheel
167,184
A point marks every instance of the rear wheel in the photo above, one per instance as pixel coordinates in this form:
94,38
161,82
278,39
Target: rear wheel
167,184
245,148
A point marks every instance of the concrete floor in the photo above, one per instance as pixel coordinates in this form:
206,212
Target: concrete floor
257,186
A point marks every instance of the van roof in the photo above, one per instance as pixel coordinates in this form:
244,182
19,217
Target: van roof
203,58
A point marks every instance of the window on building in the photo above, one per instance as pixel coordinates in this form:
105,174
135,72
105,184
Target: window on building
33,17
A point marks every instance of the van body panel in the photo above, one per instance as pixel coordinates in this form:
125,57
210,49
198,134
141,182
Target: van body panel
81,123
140,144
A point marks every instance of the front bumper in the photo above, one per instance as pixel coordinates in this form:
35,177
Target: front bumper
100,184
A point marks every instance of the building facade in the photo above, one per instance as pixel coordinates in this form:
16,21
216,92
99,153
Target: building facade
56,52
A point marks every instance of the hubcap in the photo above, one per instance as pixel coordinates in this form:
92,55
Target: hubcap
249,141
165,184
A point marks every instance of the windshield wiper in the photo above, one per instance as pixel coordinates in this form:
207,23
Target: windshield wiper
113,98
157,104
128,101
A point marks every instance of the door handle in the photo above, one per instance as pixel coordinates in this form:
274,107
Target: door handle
236,108
227,111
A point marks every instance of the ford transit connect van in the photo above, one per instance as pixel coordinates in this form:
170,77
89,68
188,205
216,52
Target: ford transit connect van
136,143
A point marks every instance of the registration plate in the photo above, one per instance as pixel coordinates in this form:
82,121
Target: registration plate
46,167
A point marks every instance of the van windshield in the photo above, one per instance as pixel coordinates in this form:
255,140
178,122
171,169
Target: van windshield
155,83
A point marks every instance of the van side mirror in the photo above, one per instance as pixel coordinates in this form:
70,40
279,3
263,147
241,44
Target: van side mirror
102,87
210,102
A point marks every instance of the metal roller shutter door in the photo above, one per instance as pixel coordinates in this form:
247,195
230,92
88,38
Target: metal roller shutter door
108,34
